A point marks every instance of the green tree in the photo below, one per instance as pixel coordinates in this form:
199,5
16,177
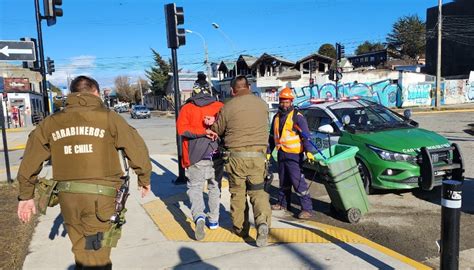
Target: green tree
158,74
367,47
327,50
408,37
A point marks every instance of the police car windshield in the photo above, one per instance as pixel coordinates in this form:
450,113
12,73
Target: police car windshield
368,116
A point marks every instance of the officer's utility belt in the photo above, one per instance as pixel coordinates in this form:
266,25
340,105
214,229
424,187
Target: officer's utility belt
246,154
84,188
101,239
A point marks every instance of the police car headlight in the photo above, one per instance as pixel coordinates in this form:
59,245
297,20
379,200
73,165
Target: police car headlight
392,156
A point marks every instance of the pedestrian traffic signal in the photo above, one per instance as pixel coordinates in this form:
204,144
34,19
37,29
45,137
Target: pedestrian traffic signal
340,51
52,10
50,66
174,17
32,65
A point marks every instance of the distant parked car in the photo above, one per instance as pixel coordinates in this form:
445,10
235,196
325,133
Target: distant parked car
121,109
140,111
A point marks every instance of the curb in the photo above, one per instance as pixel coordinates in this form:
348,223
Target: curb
15,148
9,130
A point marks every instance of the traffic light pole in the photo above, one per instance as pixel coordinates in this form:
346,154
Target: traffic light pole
5,145
177,102
41,60
336,71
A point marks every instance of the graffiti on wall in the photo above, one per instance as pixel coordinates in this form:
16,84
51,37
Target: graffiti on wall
391,94
384,92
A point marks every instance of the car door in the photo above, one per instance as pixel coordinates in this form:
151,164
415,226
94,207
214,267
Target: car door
316,118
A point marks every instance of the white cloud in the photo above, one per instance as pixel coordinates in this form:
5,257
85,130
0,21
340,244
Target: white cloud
79,65
87,65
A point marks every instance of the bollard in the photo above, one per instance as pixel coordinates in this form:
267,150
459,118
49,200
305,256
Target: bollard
451,199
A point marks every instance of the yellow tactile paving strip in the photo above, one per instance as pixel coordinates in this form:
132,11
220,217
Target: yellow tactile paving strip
175,226
16,147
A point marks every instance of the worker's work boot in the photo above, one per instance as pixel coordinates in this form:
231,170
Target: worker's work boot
305,215
277,207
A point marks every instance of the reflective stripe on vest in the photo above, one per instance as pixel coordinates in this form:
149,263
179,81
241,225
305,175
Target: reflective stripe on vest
289,141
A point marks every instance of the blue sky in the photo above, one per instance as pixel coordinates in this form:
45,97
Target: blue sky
107,38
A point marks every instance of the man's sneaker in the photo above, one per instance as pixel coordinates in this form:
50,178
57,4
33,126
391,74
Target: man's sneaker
199,233
305,215
213,225
262,235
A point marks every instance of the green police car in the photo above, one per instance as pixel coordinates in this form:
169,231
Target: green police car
390,144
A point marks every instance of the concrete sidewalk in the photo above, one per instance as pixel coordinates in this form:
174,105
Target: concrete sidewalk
158,235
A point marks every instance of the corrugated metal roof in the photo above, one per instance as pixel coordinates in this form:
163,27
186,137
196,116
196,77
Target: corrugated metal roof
249,60
315,55
227,64
277,58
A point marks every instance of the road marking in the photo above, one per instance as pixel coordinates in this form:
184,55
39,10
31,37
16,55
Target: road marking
447,111
176,226
12,168
16,147
15,129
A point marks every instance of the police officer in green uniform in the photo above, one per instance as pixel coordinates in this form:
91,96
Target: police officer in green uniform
243,122
82,142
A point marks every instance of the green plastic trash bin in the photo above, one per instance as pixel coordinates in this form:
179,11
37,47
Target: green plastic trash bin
342,180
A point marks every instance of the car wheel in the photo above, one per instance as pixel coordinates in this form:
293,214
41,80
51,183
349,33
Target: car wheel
365,176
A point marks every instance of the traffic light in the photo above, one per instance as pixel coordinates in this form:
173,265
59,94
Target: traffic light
52,9
32,65
174,17
50,66
331,75
311,82
340,51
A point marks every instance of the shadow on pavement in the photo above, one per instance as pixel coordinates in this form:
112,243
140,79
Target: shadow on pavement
434,196
58,221
347,247
163,188
191,260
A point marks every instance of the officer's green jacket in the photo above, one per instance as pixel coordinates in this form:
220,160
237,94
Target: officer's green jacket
243,121
82,141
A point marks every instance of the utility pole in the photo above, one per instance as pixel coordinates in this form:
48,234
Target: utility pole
209,72
438,62
140,89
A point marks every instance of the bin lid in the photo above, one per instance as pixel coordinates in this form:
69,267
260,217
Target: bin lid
338,152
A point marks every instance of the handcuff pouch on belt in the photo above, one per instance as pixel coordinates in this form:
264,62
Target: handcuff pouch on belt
48,194
268,177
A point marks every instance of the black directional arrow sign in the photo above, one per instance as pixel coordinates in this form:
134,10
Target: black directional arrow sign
17,51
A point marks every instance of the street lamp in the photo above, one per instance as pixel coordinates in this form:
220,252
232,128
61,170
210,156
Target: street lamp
208,65
218,28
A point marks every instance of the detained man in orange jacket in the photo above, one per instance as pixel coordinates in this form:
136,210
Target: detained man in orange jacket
199,149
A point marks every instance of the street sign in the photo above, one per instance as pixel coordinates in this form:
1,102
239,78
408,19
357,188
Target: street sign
17,51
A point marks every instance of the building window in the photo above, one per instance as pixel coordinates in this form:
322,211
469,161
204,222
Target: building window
372,58
322,67
367,59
